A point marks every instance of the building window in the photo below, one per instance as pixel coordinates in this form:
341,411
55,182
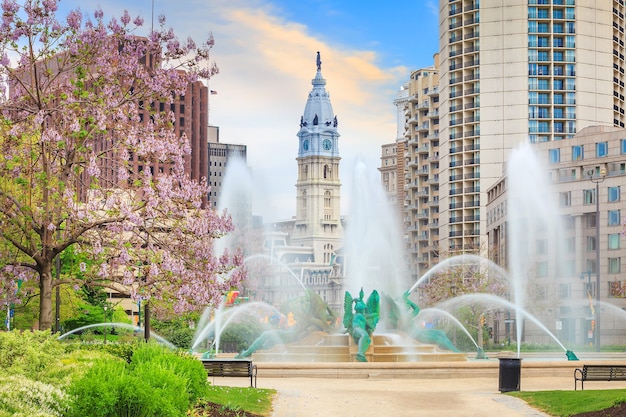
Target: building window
591,243
589,196
591,266
565,198
564,291
555,156
601,149
542,269
614,194
614,239
614,217
614,266
591,220
622,146
577,153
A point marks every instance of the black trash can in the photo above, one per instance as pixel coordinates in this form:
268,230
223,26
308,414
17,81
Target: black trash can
510,372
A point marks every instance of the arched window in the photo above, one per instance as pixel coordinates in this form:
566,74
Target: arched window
327,199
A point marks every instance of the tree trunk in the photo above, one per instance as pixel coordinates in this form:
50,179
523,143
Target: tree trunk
45,298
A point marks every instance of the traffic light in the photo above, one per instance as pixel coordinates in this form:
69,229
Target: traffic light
490,330
482,320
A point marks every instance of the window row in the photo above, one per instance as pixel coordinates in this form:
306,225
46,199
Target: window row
545,69
558,84
537,41
536,112
557,27
535,97
578,151
544,13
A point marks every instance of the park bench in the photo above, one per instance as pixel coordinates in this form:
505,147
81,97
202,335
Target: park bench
231,368
599,373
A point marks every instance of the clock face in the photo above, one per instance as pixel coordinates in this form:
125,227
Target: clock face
305,145
327,144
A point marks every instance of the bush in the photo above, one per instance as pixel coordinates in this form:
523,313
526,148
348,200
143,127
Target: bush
28,353
151,384
179,362
24,397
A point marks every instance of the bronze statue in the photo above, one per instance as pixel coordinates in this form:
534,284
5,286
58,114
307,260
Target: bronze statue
361,322
312,314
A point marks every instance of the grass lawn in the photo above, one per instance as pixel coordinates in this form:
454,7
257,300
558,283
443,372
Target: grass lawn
567,403
251,400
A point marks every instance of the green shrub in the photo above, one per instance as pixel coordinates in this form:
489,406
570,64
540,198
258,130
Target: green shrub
179,362
24,397
28,353
153,383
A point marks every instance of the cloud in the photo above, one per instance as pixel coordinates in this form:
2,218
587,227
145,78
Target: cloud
266,65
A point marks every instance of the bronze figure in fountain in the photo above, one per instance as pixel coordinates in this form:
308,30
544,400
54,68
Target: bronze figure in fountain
312,314
361,322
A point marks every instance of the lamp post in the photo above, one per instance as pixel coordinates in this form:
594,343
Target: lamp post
597,180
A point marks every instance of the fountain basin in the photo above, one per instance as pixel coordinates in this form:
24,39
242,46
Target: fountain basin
323,347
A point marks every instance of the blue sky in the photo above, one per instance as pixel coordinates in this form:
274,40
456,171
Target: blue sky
266,54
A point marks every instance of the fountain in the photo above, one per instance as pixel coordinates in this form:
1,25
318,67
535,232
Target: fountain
158,338
373,259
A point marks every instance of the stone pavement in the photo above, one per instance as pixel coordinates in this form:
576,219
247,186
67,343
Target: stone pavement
455,389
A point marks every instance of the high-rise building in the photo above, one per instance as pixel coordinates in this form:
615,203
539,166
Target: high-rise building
418,166
538,70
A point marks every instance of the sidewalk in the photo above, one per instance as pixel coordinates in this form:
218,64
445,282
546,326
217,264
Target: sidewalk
466,397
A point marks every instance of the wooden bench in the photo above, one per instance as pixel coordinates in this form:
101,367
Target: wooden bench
599,373
231,368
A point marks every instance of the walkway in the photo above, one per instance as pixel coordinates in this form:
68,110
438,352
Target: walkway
469,389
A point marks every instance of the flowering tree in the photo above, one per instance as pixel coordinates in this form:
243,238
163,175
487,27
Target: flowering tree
91,163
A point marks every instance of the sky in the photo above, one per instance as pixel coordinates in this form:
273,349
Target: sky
266,52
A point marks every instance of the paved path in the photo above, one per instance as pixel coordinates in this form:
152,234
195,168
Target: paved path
302,397
425,397
455,392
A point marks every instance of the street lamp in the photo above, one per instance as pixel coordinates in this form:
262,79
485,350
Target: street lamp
597,179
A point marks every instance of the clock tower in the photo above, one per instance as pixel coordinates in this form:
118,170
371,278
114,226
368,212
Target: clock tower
318,219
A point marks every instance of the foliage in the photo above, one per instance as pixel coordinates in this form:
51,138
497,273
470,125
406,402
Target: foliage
179,362
91,160
241,334
176,330
568,403
123,351
27,353
24,397
151,384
